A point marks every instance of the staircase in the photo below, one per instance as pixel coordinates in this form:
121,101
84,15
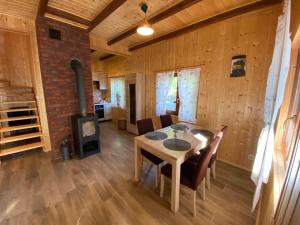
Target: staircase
20,128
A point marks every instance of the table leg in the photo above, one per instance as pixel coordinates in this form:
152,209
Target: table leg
175,186
137,162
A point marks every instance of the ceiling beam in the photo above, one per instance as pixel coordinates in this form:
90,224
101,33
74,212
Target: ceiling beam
159,17
66,15
42,7
211,20
106,57
114,5
100,44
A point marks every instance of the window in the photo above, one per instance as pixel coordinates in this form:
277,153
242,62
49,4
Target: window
177,93
118,92
292,121
172,101
188,89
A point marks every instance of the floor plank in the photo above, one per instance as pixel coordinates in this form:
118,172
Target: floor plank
100,190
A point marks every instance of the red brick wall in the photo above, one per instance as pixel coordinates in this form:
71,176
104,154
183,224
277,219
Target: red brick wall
59,80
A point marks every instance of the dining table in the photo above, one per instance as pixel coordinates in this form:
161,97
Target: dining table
194,139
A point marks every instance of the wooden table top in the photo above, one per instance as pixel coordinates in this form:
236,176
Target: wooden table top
157,147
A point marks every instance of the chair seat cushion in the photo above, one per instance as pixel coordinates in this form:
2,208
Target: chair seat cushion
187,173
195,158
154,159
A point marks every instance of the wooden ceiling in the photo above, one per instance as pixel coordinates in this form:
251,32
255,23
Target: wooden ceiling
21,8
110,19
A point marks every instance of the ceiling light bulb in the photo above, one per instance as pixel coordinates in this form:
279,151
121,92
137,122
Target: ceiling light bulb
145,30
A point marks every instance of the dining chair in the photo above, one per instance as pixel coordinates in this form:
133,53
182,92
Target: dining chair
192,173
212,163
166,120
144,126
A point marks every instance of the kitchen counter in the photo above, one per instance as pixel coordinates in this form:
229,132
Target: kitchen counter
103,103
105,109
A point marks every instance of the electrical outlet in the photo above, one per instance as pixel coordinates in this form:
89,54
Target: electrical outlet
251,157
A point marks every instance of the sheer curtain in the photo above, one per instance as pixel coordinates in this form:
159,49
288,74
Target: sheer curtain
188,87
118,92
274,95
163,84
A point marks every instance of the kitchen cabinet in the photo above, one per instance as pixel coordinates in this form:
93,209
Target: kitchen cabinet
103,81
102,78
107,111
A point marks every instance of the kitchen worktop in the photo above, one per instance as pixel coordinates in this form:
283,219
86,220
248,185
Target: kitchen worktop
102,103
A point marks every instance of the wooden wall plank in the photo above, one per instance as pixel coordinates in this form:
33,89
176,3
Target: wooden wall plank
107,11
24,67
100,44
236,102
214,19
15,58
157,18
66,15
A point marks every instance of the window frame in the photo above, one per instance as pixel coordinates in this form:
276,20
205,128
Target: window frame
111,90
293,116
177,100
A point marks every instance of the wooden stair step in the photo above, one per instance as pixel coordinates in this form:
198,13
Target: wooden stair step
19,127
4,81
17,110
20,137
14,88
19,102
21,148
16,94
18,118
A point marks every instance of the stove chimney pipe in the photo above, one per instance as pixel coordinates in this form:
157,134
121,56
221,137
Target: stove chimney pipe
77,67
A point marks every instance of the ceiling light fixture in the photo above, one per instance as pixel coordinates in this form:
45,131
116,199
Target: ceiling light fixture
145,29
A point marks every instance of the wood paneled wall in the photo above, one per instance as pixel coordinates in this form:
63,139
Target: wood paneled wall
97,65
15,58
272,190
19,61
236,102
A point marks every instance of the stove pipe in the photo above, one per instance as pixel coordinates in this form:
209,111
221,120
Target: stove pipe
77,67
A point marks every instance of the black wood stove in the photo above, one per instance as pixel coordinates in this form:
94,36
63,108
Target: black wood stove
86,131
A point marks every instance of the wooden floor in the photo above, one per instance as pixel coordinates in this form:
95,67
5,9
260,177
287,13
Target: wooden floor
99,190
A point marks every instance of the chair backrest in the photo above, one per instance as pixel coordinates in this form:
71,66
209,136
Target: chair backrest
144,126
204,159
166,120
219,134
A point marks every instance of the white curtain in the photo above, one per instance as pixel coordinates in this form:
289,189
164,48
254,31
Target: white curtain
163,84
188,87
274,94
118,92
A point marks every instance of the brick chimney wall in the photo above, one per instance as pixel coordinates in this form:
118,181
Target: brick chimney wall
59,80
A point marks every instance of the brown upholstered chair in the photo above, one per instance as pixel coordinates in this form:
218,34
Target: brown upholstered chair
144,126
212,163
193,172
166,120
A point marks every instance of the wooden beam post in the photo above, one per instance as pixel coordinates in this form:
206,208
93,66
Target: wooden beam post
100,44
214,19
114,5
42,7
66,15
159,17
106,57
